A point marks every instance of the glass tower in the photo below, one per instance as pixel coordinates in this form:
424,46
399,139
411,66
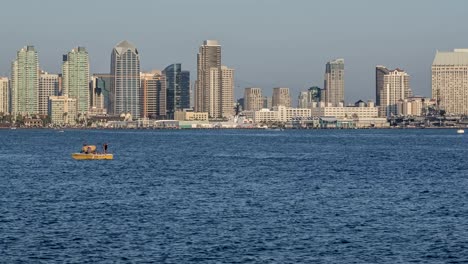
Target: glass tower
75,78
178,89
125,80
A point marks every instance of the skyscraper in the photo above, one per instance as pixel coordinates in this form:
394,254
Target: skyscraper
380,72
314,95
334,82
395,87
102,86
48,86
450,81
4,95
253,99
25,82
281,96
75,78
302,100
215,83
178,89
153,95
125,82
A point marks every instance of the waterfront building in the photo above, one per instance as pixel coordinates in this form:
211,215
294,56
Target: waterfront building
153,95
215,83
414,106
24,86
4,95
125,80
177,89
322,109
253,99
281,96
450,81
334,82
48,86
191,116
392,86
264,115
75,78
279,113
62,110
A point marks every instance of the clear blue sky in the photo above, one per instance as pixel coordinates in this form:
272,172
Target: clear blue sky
268,42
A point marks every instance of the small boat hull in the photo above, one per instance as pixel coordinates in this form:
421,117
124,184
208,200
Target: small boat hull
84,156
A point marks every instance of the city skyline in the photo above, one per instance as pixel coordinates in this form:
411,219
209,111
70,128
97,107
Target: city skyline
252,46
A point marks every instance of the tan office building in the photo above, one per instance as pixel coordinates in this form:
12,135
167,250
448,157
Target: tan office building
4,95
395,87
253,99
62,110
281,96
48,86
450,81
153,94
334,82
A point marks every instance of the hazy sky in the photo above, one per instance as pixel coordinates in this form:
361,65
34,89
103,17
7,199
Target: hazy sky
269,43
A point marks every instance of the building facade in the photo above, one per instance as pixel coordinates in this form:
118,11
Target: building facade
334,82
395,86
450,81
125,80
215,83
253,99
281,96
153,95
4,95
24,86
302,100
367,111
75,78
178,89
48,86
62,110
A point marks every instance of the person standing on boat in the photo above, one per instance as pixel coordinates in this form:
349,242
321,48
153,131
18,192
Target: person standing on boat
105,148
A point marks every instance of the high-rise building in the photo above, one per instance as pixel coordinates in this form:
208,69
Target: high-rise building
395,87
178,89
102,86
267,102
314,95
302,100
75,78
153,95
334,82
25,82
97,93
450,81
253,99
48,86
62,110
125,82
281,96
215,83
380,72
4,95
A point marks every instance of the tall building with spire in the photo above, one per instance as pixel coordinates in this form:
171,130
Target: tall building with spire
25,82
334,82
215,83
391,86
450,81
125,80
178,89
75,78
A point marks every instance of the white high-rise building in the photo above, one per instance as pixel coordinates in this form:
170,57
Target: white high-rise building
48,86
450,81
62,110
4,95
395,87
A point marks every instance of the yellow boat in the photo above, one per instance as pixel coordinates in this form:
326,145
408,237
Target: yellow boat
88,152
92,156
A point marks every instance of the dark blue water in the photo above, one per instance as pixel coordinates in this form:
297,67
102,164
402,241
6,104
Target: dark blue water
226,196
